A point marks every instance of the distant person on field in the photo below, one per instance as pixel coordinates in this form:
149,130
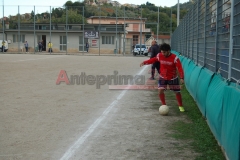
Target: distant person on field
169,65
87,46
3,46
39,46
26,46
50,46
155,65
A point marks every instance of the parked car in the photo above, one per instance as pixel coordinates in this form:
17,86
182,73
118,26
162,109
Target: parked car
140,49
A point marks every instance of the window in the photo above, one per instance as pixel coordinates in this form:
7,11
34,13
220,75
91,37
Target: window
140,46
108,39
17,38
63,43
135,39
103,28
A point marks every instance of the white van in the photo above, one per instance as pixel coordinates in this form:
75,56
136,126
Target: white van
6,45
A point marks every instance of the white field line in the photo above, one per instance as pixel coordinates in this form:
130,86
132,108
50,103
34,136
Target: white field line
38,58
70,152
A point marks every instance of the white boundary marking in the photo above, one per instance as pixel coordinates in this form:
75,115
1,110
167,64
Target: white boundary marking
70,152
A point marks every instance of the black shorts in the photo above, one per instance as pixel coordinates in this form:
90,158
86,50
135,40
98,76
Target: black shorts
173,84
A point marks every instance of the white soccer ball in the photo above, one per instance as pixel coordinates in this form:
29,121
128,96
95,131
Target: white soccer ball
163,110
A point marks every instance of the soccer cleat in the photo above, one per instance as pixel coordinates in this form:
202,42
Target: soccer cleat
181,109
152,78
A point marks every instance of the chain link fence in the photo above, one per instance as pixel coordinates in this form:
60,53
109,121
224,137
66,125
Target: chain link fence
209,35
117,28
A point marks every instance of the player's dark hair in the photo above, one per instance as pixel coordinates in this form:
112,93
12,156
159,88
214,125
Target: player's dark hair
165,47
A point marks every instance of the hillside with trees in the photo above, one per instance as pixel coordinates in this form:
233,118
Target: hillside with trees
148,10
76,14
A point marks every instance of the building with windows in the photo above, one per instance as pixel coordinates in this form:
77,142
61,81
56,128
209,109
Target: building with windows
112,37
70,37
135,29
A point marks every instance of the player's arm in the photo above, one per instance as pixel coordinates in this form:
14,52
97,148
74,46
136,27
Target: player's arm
149,61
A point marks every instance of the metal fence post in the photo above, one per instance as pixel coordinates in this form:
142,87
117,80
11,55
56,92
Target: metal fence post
19,36
197,32
66,30
99,29
34,23
3,26
231,41
216,35
83,31
205,24
50,50
124,39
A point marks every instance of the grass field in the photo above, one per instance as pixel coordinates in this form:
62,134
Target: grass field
194,130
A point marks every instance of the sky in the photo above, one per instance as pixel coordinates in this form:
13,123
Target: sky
26,6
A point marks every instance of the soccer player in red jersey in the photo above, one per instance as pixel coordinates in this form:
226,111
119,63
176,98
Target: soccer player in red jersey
169,65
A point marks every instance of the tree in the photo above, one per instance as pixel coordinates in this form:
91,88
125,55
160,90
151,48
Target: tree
68,3
57,13
32,15
73,17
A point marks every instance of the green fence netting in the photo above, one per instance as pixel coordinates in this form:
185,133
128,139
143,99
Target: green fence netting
193,80
183,60
187,74
185,63
219,102
230,134
203,82
214,105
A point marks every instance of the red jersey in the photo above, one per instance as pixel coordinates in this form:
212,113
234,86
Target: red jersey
168,66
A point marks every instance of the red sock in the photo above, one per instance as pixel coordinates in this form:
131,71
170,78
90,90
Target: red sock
162,98
179,98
